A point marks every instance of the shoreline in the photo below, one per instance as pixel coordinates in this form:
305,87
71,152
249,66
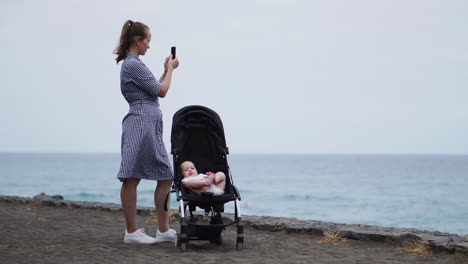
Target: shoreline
438,242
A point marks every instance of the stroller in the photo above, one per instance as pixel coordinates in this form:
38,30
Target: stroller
197,135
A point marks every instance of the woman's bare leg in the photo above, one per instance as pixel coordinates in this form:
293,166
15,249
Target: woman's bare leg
128,197
162,190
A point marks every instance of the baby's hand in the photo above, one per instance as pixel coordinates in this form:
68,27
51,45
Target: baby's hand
211,177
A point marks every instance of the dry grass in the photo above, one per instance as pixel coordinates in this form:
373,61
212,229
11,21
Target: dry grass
33,204
153,217
461,258
418,248
333,238
172,216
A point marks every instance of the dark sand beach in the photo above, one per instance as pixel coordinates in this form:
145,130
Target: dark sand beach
46,230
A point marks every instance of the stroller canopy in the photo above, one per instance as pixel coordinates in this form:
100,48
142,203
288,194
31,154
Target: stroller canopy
198,135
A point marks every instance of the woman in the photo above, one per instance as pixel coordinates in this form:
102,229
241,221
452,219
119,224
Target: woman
144,155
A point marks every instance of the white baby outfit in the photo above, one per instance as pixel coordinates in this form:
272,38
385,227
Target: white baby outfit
213,188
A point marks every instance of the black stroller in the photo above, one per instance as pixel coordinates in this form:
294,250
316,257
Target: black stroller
197,135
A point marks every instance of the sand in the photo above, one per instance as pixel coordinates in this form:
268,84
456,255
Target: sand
39,233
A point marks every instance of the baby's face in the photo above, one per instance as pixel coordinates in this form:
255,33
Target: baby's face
188,169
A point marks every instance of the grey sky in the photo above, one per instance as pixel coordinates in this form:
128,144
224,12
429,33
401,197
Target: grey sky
285,76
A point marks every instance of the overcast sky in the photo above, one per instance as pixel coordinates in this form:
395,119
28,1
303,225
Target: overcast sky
285,76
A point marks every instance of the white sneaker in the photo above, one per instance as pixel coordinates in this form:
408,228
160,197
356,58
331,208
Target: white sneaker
139,237
168,236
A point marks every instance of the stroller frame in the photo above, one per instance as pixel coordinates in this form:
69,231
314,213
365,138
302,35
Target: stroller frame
198,135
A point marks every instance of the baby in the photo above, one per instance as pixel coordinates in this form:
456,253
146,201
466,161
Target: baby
198,183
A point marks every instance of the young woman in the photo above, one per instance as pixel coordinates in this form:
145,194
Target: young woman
144,155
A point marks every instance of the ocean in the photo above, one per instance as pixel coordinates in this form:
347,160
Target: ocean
427,192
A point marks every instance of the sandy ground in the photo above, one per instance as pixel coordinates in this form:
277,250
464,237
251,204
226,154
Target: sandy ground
43,234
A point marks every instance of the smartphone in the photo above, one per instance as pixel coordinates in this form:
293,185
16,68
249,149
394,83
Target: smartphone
173,52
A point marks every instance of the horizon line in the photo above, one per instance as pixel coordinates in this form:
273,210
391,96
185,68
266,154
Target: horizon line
253,153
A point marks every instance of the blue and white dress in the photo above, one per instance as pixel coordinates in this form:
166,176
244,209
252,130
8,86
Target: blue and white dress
144,155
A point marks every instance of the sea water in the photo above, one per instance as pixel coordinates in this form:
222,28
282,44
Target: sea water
428,192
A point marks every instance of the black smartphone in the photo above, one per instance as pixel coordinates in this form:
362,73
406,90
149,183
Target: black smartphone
173,52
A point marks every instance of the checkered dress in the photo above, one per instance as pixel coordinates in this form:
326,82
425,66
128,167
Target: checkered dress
144,155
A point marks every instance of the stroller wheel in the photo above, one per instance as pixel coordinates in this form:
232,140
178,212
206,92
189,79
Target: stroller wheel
218,240
177,240
183,246
240,242
239,245
180,244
